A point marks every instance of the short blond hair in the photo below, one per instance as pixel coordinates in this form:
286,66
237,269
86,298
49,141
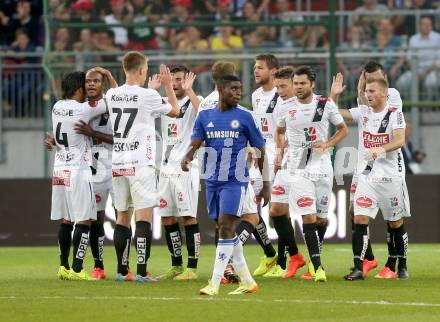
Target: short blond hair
382,82
133,60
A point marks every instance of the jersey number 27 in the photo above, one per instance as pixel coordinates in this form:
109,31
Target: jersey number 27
129,123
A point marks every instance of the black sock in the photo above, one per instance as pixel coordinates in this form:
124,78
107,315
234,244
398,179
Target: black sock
97,236
282,254
192,244
312,242
216,237
142,237
64,243
360,240
174,242
392,254
80,243
284,229
244,230
401,243
122,241
321,232
352,233
369,252
262,238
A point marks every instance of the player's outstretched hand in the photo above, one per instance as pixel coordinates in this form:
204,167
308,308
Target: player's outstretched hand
49,142
188,81
337,85
83,128
264,194
154,82
185,164
362,83
165,75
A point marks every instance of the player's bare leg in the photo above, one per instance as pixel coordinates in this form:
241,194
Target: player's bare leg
286,241
192,234
64,243
142,238
97,236
312,242
122,241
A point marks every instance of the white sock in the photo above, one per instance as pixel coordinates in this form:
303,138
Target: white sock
223,253
239,263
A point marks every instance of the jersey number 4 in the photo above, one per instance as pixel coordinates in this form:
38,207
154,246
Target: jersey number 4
61,138
132,115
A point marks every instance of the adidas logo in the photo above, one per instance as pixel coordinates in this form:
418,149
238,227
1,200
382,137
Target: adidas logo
210,124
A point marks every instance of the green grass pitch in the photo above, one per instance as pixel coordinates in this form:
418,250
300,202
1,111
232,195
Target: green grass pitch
30,291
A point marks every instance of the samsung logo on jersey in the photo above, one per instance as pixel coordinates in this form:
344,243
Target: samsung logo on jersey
124,98
62,112
222,134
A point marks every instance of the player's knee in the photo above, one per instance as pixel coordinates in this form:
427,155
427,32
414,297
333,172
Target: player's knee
321,221
309,219
395,224
189,221
278,209
67,222
253,219
361,220
124,218
168,221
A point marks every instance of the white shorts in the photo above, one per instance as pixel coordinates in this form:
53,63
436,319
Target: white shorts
353,186
179,194
310,196
390,195
250,201
102,190
135,187
281,187
73,198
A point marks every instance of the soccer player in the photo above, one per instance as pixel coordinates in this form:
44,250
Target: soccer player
249,219
381,182
264,100
132,112
179,190
279,209
226,130
73,198
100,131
371,69
307,120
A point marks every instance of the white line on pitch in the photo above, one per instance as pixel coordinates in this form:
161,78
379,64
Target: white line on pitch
220,299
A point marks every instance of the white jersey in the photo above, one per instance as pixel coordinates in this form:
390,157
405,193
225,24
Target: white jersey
176,134
132,112
308,124
209,101
72,149
390,164
102,151
265,108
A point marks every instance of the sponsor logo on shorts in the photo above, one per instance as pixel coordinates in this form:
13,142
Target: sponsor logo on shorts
394,202
375,140
305,202
180,196
222,257
129,172
324,201
61,178
98,198
364,202
163,203
278,190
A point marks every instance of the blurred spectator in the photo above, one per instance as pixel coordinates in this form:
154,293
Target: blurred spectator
62,36
105,42
288,36
22,19
407,24
369,22
190,40
58,11
296,37
249,14
83,11
223,10
427,44
315,38
226,40
261,37
180,15
140,37
84,46
121,11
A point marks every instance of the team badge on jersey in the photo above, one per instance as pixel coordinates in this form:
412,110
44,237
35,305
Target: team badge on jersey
235,124
310,134
264,125
172,130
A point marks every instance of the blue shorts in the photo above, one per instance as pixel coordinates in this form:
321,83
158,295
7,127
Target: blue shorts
226,200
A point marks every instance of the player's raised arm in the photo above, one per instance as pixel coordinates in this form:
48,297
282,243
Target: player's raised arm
166,80
362,83
187,86
337,87
85,129
49,142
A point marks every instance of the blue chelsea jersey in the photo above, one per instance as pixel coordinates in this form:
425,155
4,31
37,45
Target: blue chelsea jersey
226,135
